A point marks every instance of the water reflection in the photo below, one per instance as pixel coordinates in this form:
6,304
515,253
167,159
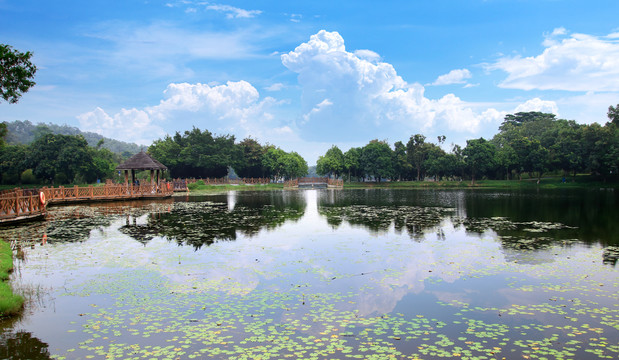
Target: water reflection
21,345
334,266
197,221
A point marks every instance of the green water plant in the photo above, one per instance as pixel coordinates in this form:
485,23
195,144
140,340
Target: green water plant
10,303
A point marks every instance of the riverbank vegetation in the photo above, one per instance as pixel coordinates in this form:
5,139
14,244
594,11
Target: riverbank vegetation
528,145
10,303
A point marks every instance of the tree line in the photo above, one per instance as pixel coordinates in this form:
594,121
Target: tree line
201,154
56,159
531,143
61,159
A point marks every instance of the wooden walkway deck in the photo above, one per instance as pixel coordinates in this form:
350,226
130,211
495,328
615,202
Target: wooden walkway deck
20,205
314,183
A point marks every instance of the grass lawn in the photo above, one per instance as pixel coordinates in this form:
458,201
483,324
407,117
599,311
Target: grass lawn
10,303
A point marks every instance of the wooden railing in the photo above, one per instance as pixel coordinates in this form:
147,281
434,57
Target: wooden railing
107,192
226,181
335,182
314,181
291,183
179,184
20,204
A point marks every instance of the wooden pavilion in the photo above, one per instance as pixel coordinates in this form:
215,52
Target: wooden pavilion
142,161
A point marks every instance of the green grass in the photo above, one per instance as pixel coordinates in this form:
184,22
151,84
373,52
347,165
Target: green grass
197,188
10,303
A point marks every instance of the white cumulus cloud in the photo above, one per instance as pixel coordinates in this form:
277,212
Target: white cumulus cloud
234,107
578,62
457,76
234,12
539,105
366,96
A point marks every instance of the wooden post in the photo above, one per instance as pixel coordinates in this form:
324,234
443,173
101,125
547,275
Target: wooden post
151,176
126,177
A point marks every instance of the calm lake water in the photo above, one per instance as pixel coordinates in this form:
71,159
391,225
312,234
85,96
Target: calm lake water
322,274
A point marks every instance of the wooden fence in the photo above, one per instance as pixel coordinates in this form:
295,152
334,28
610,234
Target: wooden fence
16,205
107,192
20,204
304,181
226,181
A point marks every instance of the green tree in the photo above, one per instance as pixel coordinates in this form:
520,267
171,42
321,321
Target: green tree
250,165
377,160
401,167
601,149
12,163
197,153
416,151
567,151
352,164
3,133
613,114
16,73
59,158
293,166
273,161
479,156
103,165
332,163
436,163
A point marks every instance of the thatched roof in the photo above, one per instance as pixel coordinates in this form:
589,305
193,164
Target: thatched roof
141,161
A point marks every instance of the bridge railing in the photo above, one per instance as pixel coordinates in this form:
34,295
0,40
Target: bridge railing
107,192
313,180
20,203
336,182
226,181
291,183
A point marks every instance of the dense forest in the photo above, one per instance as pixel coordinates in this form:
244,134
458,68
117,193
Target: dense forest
25,132
62,159
531,143
201,154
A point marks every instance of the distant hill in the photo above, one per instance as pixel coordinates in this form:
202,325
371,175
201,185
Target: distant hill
24,132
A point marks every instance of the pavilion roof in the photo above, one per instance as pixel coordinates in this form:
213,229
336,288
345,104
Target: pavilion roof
141,161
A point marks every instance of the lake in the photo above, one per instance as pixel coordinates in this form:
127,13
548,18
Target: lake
322,274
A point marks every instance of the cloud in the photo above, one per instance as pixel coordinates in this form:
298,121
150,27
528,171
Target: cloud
234,12
316,110
457,76
578,62
275,87
235,108
128,125
164,49
538,104
366,97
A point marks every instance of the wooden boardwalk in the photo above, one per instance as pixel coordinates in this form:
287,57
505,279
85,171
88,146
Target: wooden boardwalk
19,205
314,183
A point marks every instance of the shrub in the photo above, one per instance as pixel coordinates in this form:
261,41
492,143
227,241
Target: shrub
27,177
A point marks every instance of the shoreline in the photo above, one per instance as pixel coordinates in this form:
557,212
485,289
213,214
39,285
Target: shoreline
11,304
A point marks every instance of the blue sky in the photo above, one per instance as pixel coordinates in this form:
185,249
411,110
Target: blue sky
305,75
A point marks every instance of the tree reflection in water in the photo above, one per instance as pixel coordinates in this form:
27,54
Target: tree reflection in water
21,345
